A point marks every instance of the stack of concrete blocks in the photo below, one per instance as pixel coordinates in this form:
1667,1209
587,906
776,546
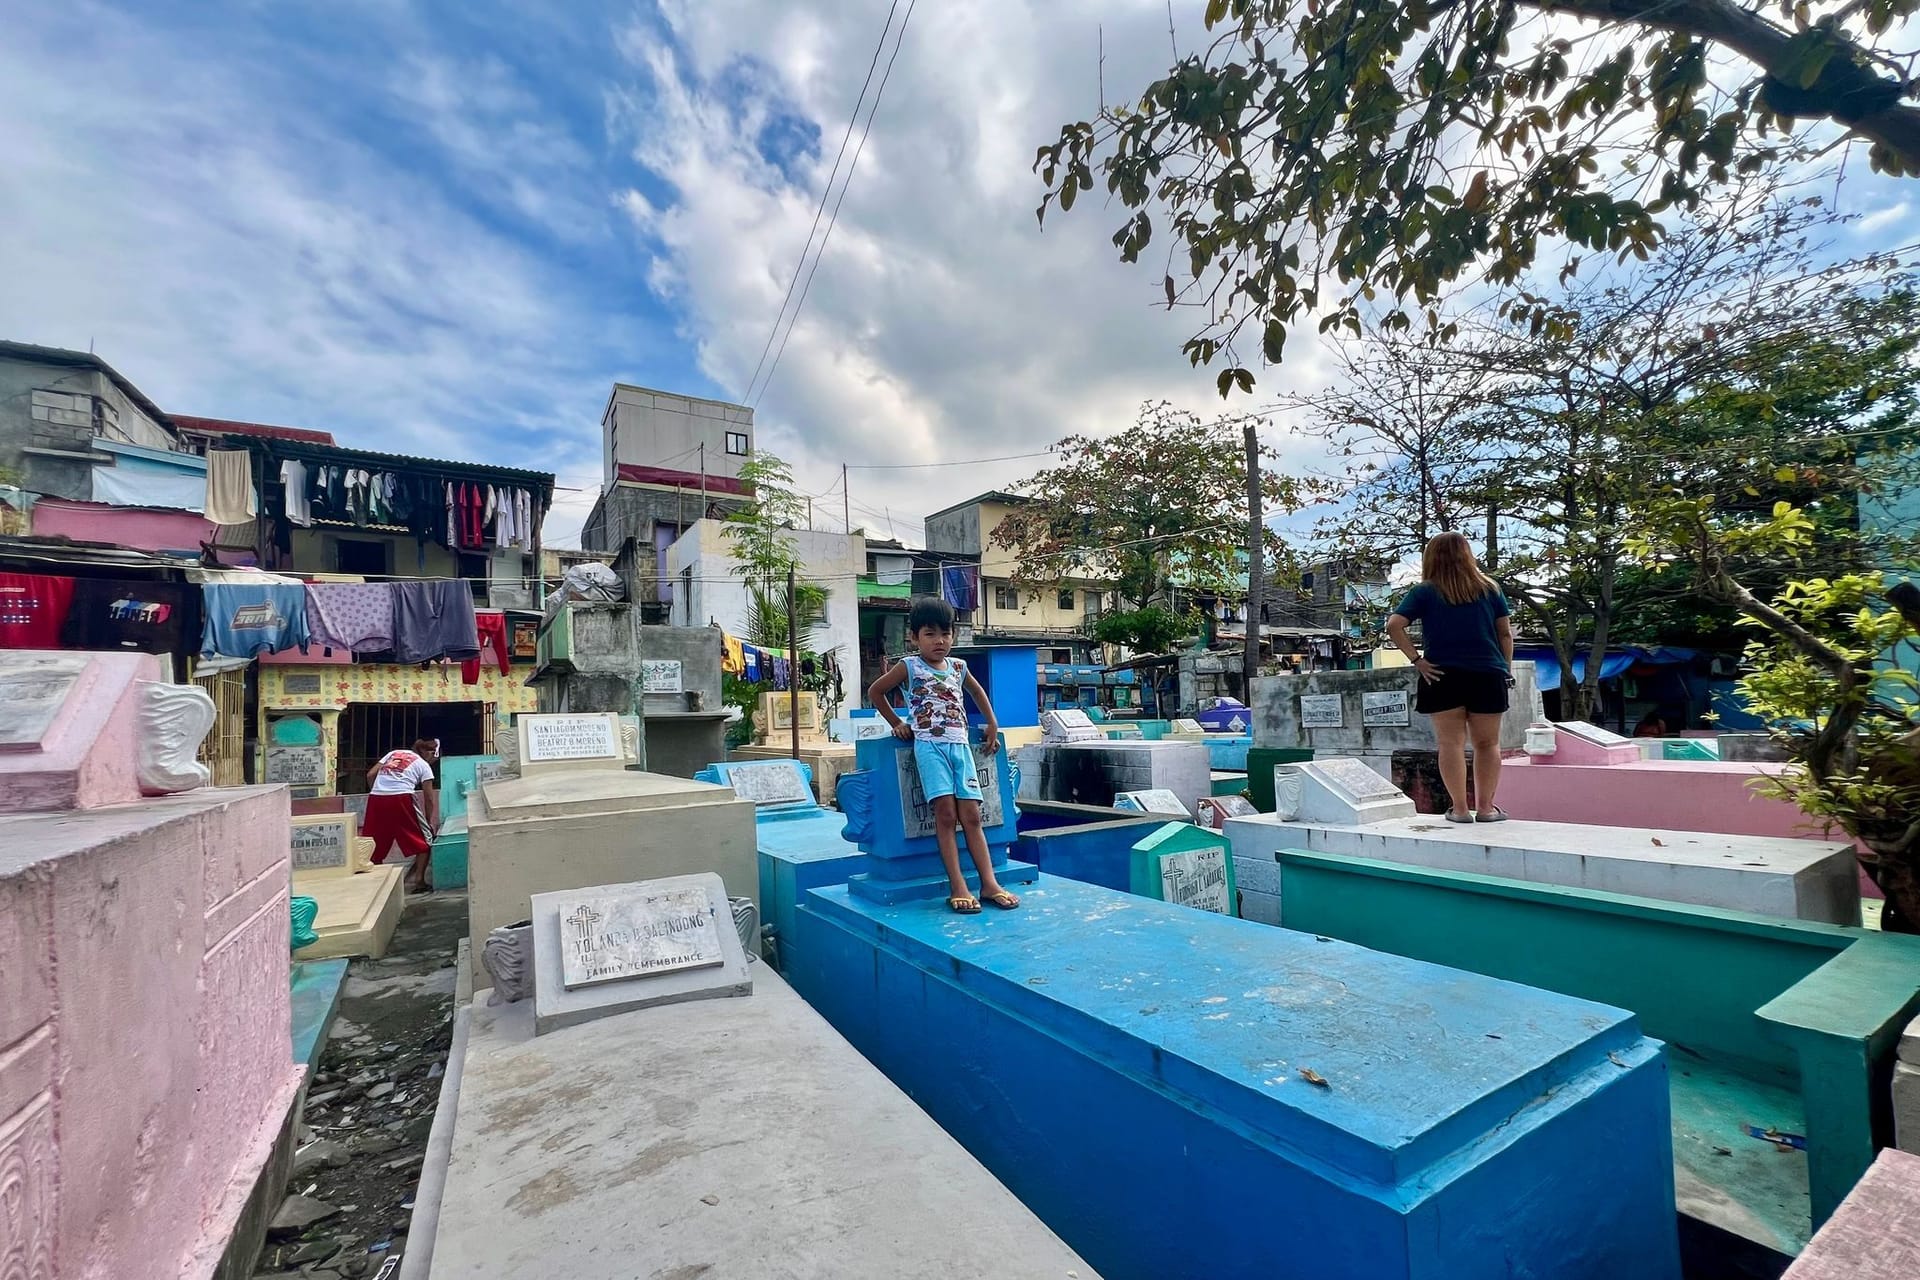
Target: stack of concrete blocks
1074,765
1347,809
1376,722
577,816
147,1081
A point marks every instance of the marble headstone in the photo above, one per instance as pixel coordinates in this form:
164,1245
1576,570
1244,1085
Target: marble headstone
769,782
1068,725
1341,791
33,688
1154,800
1385,708
615,948
548,742
1321,711
1215,810
916,812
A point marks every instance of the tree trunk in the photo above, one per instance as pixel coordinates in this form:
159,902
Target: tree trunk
1897,875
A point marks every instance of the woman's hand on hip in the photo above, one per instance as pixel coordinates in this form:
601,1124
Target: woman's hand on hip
1427,670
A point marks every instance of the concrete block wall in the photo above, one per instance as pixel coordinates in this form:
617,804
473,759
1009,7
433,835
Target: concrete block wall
145,1036
1276,712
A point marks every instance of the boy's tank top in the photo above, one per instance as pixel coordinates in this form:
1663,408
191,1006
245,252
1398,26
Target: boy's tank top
936,700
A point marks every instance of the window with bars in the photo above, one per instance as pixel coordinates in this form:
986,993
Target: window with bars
1007,598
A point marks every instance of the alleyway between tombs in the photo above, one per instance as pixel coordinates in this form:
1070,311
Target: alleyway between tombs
371,1105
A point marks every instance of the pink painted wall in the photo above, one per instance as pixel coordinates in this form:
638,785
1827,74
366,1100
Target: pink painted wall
145,1056
87,757
142,528
1681,795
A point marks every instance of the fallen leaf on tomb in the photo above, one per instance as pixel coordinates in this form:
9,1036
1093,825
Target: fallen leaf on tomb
1314,1077
1662,843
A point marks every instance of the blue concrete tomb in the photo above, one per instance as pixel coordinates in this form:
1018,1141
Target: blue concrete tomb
892,822
1184,1094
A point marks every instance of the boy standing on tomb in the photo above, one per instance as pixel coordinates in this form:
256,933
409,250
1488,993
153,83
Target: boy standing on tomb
938,685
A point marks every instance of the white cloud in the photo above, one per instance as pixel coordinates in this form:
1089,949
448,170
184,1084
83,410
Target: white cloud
943,322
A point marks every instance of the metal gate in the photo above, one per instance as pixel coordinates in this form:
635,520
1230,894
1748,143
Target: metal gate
224,749
368,730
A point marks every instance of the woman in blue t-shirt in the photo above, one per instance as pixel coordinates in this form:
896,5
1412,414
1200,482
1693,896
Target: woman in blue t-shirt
1466,671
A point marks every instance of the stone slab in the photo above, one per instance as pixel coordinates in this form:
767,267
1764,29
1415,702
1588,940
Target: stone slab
1875,1235
1906,1107
1794,879
357,915
1342,789
1095,772
579,741
1298,1106
327,844
1069,725
1156,800
315,999
827,762
70,728
565,994
768,782
1910,1043
758,1139
1578,742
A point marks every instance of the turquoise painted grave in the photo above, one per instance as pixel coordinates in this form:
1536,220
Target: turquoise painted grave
460,776
1179,1093
1774,1024
1185,864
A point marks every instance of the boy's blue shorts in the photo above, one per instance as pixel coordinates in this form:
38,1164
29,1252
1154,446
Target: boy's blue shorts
947,769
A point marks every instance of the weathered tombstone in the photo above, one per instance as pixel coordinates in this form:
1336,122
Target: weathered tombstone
548,742
768,782
615,948
1385,708
1578,742
1321,711
888,816
1153,800
298,766
1068,725
1342,790
1184,864
1215,810
661,675
1188,727
917,811
324,844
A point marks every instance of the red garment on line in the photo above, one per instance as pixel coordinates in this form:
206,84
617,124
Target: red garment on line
493,632
472,507
396,819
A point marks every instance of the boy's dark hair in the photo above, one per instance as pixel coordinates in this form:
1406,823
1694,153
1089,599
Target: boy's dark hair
929,611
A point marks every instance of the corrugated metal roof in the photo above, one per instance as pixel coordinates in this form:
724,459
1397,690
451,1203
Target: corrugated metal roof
230,426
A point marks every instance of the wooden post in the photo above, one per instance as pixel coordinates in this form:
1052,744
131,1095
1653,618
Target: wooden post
1256,565
793,667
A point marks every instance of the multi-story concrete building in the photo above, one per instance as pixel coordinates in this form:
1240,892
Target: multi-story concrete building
58,407
668,461
1055,618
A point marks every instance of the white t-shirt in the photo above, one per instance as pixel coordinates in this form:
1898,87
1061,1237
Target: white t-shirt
401,773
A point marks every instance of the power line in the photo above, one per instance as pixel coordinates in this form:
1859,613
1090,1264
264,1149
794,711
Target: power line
958,462
834,218
852,118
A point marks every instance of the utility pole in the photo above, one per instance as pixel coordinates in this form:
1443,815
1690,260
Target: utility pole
846,499
793,667
701,514
1256,565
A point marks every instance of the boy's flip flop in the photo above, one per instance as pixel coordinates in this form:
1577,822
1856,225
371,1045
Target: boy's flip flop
1002,899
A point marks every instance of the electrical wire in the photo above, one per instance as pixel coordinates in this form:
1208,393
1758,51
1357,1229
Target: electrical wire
853,118
834,219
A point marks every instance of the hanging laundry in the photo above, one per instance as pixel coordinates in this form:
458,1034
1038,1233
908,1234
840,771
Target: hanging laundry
960,586
293,478
733,660
434,619
523,517
356,617
109,613
492,628
453,515
750,664
780,673
503,526
230,497
33,608
244,619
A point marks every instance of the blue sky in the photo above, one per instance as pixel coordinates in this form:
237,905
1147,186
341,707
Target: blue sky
446,228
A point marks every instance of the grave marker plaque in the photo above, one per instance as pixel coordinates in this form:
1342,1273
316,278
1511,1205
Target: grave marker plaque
549,738
33,687
297,765
1197,878
1215,810
916,811
1354,779
1068,725
1384,708
605,937
1188,727
774,782
1321,711
323,843
661,675
1155,800
1593,733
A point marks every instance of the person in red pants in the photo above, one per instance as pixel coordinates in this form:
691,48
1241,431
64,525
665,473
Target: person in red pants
403,809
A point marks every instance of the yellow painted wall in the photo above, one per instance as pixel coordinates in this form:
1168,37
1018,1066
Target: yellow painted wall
1040,611
376,682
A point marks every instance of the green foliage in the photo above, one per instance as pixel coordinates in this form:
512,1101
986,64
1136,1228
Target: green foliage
761,534
1324,157
1169,491
1150,630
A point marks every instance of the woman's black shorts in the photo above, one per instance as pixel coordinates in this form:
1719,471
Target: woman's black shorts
1482,693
